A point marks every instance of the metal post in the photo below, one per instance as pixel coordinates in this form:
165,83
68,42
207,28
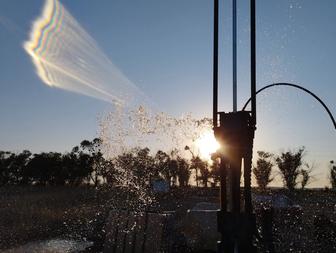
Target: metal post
223,200
235,130
253,62
236,222
235,181
234,53
215,65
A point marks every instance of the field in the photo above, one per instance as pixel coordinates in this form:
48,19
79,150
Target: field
38,213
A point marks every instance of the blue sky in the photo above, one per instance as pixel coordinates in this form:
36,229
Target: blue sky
165,48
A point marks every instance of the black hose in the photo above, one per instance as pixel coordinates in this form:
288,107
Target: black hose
300,88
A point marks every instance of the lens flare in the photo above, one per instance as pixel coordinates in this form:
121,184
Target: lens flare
67,57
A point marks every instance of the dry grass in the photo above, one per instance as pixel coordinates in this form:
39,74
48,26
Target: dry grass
36,213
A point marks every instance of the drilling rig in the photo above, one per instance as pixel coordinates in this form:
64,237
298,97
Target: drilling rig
235,133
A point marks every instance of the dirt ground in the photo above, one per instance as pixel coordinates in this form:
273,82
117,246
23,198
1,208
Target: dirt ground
38,213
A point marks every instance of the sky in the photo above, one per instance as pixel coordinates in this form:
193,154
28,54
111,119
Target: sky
165,49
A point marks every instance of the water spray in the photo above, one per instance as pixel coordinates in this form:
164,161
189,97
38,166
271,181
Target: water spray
67,57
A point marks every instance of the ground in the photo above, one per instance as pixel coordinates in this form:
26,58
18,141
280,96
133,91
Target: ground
38,213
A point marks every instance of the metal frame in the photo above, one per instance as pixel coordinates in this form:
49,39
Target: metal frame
235,130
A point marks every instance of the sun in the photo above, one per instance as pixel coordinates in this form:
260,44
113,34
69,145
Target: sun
207,144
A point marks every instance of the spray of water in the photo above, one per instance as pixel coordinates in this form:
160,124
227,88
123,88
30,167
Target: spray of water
67,57
124,133
121,131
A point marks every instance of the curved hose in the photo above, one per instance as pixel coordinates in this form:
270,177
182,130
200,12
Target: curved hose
300,88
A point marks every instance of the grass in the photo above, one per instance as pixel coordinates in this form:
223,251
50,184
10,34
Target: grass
37,213
32,213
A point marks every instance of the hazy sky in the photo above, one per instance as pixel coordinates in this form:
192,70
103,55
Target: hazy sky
165,48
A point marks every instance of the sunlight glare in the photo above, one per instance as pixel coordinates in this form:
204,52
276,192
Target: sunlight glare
207,144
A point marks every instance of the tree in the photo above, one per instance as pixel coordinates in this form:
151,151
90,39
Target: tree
183,171
168,167
263,171
46,169
333,174
289,165
12,167
197,165
110,172
77,166
204,173
173,171
124,164
144,167
53,168
4,167
96,159
306,176
215,172
161,163
17,166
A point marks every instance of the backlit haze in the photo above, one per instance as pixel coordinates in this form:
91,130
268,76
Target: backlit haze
122,52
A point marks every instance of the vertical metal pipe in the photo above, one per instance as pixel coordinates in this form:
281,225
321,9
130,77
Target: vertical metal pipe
235,182
222,170
247,182
234,53
215,65
253,62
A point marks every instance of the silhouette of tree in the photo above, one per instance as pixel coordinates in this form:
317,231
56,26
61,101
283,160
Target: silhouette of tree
12,167
196,165
289,165
46,168
263,171
183,171
333,174
124,163
17,166
306,176
173,168
162,161
173,171
201,170
204,173
53,168
144,168
5,167
95,159
215,172
76,166
110,172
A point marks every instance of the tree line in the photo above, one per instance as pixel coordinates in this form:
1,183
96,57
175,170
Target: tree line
292,168
85,164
